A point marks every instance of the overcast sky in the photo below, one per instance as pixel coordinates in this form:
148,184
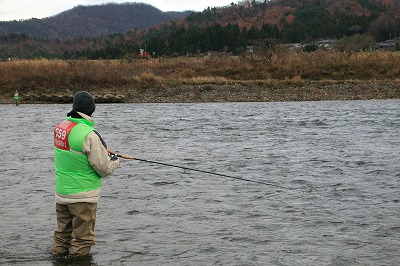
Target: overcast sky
23,9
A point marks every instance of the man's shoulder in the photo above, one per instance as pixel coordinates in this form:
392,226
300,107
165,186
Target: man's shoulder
92,135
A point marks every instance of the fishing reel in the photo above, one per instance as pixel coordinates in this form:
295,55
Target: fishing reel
113,157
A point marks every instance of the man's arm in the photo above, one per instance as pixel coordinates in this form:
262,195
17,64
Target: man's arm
98,155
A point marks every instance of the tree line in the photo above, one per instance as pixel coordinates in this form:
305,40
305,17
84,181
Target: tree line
309,24
302,25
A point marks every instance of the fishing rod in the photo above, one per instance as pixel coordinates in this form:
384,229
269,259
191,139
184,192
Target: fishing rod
193,169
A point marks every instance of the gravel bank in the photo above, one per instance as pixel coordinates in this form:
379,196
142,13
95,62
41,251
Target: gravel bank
232,92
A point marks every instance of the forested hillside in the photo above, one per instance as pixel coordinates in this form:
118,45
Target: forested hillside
265,24
230,29
298,20
91,21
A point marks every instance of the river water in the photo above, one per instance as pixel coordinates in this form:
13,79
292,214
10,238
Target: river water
338,164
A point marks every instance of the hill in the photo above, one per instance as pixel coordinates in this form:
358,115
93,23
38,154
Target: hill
264,25
327,18
118,31
249,13
89,21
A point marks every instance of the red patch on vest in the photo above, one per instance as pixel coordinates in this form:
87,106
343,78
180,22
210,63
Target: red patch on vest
61,132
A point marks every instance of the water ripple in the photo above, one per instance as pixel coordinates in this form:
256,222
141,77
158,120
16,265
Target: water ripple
336,164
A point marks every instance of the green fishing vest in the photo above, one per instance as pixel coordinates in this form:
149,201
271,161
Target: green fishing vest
74,174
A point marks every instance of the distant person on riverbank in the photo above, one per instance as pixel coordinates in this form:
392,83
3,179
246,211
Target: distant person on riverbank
16,98
81,160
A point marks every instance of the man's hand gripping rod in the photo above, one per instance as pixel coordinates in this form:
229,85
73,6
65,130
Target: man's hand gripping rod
120,155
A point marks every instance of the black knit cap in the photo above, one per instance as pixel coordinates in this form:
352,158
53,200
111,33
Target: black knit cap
84,103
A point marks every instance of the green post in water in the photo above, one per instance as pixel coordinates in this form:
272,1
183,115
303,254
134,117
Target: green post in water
16,98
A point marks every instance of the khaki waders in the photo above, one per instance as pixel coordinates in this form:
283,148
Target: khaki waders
75,229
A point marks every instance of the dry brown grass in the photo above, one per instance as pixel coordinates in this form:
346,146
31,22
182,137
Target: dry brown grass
293,68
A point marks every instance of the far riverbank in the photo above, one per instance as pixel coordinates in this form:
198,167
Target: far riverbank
295,76
229,92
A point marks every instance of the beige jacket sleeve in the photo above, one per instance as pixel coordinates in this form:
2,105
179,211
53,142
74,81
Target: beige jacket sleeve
98,155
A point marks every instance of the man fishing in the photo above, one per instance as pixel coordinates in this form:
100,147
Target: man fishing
81,160
16,98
